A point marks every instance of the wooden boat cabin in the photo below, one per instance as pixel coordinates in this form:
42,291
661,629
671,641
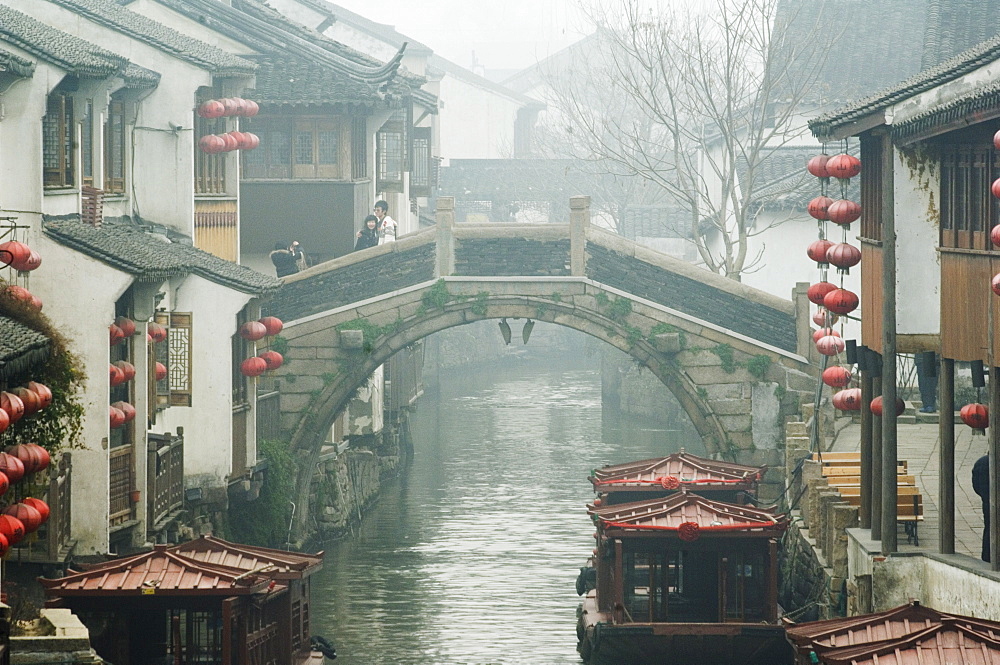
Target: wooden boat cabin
684,579
207,601
646,479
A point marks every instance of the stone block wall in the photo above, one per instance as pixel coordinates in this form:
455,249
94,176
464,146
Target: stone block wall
511,257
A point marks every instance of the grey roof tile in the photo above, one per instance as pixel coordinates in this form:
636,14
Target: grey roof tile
71,53
126,21
286,79
16,65
132,248
21,348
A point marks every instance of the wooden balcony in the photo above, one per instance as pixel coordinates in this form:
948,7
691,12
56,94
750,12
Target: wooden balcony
52,543
268,415
165,478
121,461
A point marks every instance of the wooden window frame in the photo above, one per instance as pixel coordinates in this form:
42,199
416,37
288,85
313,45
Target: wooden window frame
392,150
59,142
423,165
175,353
87,144
359,148
277,158
115,134
967,205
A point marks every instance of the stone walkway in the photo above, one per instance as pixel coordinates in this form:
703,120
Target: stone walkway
919,445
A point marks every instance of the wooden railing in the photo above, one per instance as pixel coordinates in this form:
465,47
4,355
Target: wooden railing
268,416
53,540
165,476
120,470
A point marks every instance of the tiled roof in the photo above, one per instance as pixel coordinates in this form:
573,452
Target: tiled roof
783,183
668,514
15,64
274,564
140,77
159,572
955,25
681,470
974,58
984,99
73,54
133,249
21,348
945,643
128,22
287,79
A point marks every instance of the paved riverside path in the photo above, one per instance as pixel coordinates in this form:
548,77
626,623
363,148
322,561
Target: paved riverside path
919,445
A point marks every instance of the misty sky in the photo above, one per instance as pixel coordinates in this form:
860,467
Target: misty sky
504,34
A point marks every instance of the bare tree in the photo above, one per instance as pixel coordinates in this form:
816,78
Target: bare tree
694,102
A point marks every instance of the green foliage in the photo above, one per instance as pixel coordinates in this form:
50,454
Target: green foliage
702,393
780,391
633,334
479,305
280,344
620,309
328,377
59,425
264,522
662,328
725,353
370,332
556,296
436,297
602,299
758,366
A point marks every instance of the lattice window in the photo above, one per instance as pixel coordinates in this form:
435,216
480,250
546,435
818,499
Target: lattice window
967,208
175,354
359,149
423,162
58,141
87,143
391,151
301,148
114,148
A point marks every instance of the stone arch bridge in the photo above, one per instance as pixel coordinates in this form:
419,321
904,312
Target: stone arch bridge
736,358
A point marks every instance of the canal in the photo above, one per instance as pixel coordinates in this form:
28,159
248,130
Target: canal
472,555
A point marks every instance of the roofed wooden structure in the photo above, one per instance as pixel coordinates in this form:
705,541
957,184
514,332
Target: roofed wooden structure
275,564
702,515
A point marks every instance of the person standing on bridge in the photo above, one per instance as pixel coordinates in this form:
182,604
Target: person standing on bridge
368,236
386,224
286,260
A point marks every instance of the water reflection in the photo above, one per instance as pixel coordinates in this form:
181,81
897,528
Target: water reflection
471,557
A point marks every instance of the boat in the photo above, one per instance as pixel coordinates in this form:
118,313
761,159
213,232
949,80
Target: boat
680,576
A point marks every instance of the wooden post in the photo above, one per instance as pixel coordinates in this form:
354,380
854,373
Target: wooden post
889,541
946,459
579,223
994,467
804,344
866,448
445,217
876,462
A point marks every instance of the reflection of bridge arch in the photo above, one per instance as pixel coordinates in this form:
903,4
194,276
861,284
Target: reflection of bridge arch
727,352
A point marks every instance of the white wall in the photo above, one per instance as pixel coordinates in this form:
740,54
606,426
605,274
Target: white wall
918,264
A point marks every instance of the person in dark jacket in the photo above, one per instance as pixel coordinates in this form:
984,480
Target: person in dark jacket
981,486
286,259
368,236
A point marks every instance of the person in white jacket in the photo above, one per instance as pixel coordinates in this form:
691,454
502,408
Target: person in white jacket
386,225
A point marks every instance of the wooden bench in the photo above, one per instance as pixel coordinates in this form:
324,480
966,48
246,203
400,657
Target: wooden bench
909,509
832,471
848,481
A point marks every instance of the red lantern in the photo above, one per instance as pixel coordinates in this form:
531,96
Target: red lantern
116,417
253,331
29,456
822,315
253,366
817,166
844,256
841,301
13,405
30,400
830,345
837,376
230,106
126,409
598,502
254,140
4,545
995,284
819,207
4,484
33,261
976,416
272,324
127,368
995,235
116,376
157,332
31,518
4,421
11,467
126,324
996,140
11,528
843,166
823,332
995,188
817,292
241,106
230,141
211,109
39,505
212,144
252,108
44,459
851,399
876,406
241,140
161,371
115,335
36,302
843,211
43,391
20,293
273,359
817,250
13,252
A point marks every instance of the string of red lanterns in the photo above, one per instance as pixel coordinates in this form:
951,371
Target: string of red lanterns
254,331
